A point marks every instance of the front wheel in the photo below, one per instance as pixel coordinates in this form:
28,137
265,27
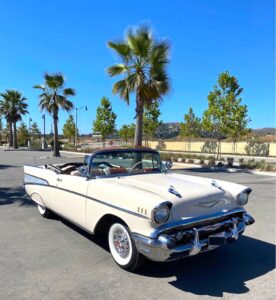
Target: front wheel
122,248
44,212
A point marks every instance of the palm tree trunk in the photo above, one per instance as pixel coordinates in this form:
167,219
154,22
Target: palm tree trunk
56,143
15,145
138,138
11,135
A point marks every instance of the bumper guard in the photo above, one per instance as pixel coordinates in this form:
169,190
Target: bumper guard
191,241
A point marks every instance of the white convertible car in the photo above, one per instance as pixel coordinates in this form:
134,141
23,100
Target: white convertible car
144,209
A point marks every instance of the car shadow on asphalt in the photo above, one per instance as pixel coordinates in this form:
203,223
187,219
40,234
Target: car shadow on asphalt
99,239
14,195
224,270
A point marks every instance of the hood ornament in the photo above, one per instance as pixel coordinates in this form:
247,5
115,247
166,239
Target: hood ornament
215,184
173,191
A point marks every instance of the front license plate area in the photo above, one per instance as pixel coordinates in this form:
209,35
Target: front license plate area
217,240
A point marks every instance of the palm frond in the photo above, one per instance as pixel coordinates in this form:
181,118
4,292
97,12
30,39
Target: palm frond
54,95
13,105
54,81
139,41
69,92
117,69
64,103
121,87
39,86
145,70
122,50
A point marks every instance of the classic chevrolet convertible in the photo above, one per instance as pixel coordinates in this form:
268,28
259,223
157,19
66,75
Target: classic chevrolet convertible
144,209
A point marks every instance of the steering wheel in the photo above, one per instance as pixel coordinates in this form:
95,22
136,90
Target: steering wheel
138,163
105,167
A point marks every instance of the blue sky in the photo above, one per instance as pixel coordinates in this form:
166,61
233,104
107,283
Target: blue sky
207,37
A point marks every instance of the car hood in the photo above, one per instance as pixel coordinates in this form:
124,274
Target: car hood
190,195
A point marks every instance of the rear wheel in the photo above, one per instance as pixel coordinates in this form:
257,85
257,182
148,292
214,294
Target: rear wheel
122,248
44,212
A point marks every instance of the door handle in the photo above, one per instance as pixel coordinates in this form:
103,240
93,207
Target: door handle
59,179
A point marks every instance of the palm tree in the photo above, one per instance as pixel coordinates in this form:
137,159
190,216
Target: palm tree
53,98
4,110
143,70
13,106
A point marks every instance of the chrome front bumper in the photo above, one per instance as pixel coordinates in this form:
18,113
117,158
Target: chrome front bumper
167,246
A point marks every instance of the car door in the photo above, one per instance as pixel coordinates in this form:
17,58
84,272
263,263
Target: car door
70,197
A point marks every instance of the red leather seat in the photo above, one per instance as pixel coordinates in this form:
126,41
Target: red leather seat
114,171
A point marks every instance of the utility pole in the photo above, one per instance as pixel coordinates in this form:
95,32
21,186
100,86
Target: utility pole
76,125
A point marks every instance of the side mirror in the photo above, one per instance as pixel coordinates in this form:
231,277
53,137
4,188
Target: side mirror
168,164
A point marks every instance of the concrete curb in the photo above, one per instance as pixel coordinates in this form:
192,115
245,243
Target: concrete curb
76,153
228,170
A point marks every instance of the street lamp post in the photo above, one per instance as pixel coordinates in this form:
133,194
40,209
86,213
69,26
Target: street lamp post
30,120
76,125
44,139
29,141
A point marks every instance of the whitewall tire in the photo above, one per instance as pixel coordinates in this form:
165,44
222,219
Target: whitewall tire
43,211
122,247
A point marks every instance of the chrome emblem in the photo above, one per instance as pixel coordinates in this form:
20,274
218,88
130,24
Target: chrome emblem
208,204
173,191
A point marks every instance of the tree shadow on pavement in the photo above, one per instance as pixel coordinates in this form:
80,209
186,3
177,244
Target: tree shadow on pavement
209,170
13,196
6,166
224,270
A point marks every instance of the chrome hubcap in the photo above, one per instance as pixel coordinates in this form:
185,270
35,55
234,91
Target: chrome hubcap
41,209
121,243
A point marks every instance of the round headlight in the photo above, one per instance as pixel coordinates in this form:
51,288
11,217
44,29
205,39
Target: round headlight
242,198
161,213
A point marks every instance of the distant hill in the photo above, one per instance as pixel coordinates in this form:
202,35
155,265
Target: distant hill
168,130
265,131
172,130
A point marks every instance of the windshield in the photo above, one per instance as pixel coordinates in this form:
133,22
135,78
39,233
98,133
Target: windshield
125,163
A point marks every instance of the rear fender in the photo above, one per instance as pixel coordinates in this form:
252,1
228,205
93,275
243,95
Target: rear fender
37,198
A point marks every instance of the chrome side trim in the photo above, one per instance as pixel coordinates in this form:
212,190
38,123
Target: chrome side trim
34,180
90,198
192,221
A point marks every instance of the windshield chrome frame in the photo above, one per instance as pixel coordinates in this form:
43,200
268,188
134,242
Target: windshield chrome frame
147,150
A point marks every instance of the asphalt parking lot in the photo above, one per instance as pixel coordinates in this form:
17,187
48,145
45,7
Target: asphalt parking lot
53,259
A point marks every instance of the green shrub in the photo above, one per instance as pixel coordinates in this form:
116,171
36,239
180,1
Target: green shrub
230,161
190,161
261,164
251,164
269,167
220,164
211,161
